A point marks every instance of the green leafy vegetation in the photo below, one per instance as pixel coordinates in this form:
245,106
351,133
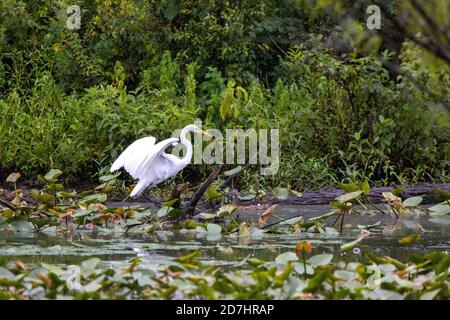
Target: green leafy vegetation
356,108
321,276
73,99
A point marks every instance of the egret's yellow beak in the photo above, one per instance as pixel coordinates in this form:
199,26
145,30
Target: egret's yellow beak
206,134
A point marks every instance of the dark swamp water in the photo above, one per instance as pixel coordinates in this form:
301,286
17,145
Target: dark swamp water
115,248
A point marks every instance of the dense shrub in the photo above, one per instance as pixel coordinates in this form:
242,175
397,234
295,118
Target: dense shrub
75,99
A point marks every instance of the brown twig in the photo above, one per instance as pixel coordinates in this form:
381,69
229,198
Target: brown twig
190,208
8,204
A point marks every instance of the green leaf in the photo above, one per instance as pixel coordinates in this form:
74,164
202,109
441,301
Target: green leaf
349,187
55,187
320,259
92,287
80,213
315,282
369,226
256,233
439,209
189,257
13,177
151,229
88,266
213,228
346,197
207,216
410,239
300,268
132,221
430,295
175,213
226,210
22,225
171,9
190,224
52,268
346,275
67,194
94,198
341,205
109,177
247,197
169,203
286,257
397,191
254,262
200,229
444,193
52,175
281,193
296,193
291,221
412,202
45,198
365,187
162,212
212,194
6,274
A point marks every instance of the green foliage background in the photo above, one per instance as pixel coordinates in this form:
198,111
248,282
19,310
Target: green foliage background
74,99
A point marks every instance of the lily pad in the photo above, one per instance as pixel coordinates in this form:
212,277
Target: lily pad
346,197
213,228
286,257
22,225
346,275
320,259
413,201
226,210
281,193
440,209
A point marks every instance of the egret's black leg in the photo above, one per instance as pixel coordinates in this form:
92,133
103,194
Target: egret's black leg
128,202
156,203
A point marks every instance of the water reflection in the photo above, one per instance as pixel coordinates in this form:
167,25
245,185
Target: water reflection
114,248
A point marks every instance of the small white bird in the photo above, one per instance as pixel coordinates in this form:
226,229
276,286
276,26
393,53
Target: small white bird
147,161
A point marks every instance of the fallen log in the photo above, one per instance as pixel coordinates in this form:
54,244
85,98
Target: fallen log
427,191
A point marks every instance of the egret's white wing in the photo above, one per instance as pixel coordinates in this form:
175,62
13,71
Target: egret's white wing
134,155
146,161
153,157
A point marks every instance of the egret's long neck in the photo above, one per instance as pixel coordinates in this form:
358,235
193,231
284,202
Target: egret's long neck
185,142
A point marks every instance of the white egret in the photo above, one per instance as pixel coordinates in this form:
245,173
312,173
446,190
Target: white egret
146,161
